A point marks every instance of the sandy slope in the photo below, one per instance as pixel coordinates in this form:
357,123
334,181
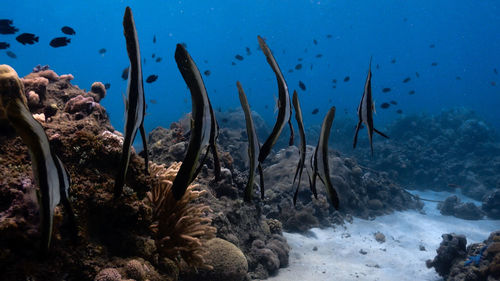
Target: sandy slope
338,254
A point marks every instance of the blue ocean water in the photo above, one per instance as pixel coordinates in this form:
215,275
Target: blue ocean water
466,36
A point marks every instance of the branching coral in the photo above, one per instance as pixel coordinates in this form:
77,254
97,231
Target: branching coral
181,227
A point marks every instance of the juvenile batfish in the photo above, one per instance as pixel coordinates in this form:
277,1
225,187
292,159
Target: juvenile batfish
201,128
135,103
319,160
253,145
49,172
365,111
302,146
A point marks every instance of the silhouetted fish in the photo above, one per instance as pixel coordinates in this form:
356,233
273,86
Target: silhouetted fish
432,46
68,30
135,106
407,79
347,78
302,85
298,66
6,27
334,81
386,90
59,42
416,74
207,72
302,145
27,38
125,73
493,83
239,57
102,51
315,42
319,160
153,55
329,36
315,111
253,145
151,78
300,59
412,92
458,78
495,71
284,106
4,45
393,61
334,86
154,39
399,111
233,63
11,55
394,102
107,86
385,105
434,63
365,111
153,101
290,70
319,55
248,51
158,59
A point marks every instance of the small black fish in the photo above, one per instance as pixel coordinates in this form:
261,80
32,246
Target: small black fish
154,39
6,27
385,105
68,30
153,55
407,79
152,101
59,42
399,111
298,66
493,83
290,70
10,54
334,80
347,78
233,63
207,72
315,42
405,19
158,59
311,67
394,102
319,55
107,86
315,111
151,78
184,44
495,71
248,51
393,61
299,59
416,74
334,86
434,64
412,92
102,51
458,78
302,85
329,36
386,90
4,45
238,57
432,46
125,74
27,38
144,60
378,66
266,106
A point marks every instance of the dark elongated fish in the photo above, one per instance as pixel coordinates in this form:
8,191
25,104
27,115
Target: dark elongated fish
4,45
59,42
320,166
365,111
49,172
284,106
302,146
253,145
68,30
202,130
27,38
135,105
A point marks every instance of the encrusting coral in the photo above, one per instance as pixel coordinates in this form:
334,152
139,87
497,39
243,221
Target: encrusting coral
181,227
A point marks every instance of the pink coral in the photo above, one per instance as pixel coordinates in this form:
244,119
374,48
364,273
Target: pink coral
67,77
33,98
99,90
80,104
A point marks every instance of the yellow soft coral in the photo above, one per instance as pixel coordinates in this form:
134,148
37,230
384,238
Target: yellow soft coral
181,227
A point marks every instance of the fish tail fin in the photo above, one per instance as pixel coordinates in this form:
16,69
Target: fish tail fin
36,39
380,133
145,147
290,143
261,175
356,135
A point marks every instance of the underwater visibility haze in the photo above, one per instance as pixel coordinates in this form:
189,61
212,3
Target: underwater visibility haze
387,169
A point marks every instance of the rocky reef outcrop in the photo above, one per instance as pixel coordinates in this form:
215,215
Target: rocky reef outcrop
456,261
453,206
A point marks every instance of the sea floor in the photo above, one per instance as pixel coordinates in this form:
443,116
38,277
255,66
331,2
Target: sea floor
352,253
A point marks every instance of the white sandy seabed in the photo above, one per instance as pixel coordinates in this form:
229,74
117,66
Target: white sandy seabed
338,256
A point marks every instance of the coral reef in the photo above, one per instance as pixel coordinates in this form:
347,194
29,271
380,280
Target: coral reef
452,206
479,261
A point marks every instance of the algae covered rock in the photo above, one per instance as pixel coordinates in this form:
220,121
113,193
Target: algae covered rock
227,260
